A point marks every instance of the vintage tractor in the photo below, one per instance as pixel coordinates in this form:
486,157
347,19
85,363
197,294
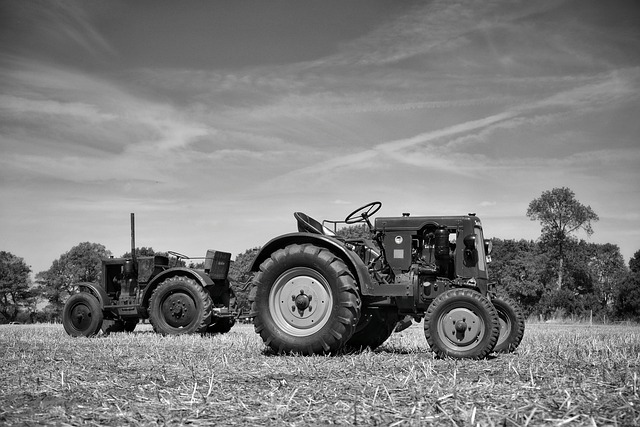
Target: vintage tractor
175,299
317,293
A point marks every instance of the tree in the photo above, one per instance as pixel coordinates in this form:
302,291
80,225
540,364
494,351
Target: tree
607,270
520,270
143,251
239,276
560,215
14,285
627,300
360,231
82,263
634,263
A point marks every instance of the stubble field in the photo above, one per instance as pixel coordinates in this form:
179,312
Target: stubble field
561,375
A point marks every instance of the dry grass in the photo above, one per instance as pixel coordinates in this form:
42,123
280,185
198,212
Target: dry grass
561,375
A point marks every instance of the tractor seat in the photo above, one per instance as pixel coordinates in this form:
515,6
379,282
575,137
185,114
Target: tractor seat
306,224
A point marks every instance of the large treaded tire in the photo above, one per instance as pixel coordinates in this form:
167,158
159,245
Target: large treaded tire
82,315
462,324
179,305
511,324
373,329
306,301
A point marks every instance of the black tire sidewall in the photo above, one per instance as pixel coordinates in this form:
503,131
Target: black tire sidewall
507,308
92,303
194,291
462,298
345,309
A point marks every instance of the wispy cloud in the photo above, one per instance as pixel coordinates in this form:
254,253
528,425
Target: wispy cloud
503,92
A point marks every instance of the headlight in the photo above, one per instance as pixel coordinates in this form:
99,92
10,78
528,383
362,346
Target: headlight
488,246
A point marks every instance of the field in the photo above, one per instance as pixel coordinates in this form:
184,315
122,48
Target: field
561,375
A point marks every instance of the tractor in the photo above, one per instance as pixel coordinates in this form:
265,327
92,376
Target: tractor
175,299
314,292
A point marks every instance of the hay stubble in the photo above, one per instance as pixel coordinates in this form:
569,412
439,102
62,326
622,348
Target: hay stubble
560,375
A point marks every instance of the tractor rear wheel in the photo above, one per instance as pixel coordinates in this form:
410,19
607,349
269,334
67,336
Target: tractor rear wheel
373,329
179,306
82,315
461,323
511,324
306,301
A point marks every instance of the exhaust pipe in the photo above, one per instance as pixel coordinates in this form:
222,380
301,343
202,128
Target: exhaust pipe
133,238
130,268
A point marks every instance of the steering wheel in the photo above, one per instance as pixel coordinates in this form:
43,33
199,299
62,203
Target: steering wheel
177,255
362,213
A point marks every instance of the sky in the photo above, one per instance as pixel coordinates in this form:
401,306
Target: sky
214,121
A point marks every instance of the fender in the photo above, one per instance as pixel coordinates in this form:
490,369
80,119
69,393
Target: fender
354,263
95,290
198,275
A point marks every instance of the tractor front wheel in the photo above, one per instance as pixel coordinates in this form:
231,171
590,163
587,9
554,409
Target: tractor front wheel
461,323
306,301
82,315
179,306
511,324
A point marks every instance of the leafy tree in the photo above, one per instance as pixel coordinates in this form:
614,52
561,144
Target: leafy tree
606,267
627,299
560,215
82,263
239,276
634,263
520,270
14,285
360,231
592,273
143,251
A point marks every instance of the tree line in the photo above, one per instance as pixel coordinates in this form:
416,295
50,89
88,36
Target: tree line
555,276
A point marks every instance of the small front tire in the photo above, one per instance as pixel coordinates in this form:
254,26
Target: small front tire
511,324
462,324
82,315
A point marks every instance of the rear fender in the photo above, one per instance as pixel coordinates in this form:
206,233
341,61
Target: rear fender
354,263
199,276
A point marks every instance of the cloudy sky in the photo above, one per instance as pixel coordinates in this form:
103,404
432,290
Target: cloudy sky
214,121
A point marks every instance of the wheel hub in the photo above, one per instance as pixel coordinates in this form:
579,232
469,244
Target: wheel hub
178,310
81,317
300,301
461,327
